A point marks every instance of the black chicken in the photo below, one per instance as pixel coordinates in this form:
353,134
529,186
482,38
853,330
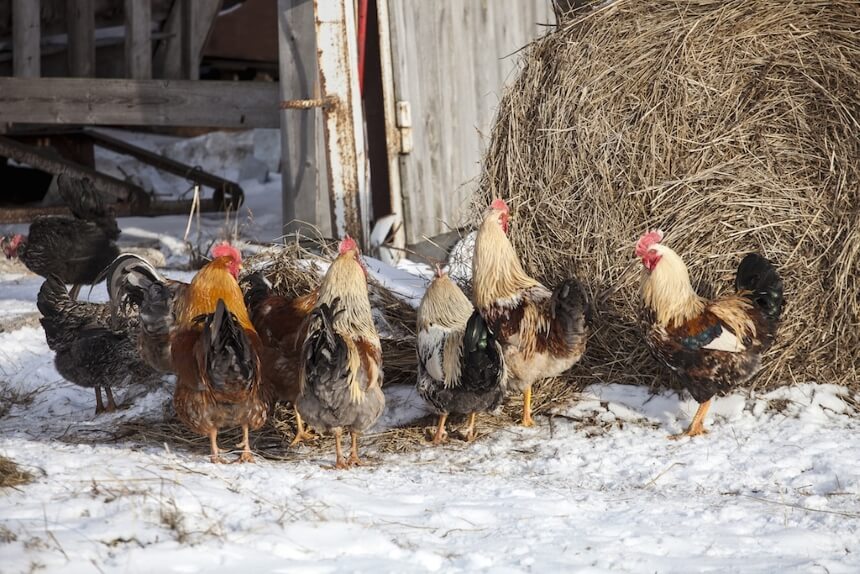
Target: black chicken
75,248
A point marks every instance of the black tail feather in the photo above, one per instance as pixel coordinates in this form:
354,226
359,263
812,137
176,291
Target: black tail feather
760,277
482,359
257,289
53,298
128,279
230,360
325,352
85,202
570,306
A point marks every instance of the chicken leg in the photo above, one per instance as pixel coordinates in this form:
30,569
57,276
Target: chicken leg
697,426
470,428
100,407
527,407
111,406
441,435
353,455
245,445
215,455
340,463
302,433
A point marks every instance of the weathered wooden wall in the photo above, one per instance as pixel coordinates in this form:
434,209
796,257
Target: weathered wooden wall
451,62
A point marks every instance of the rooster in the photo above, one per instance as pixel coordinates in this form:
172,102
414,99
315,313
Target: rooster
461,368
542,332
341,361
711,345
76,248
91,349
133,283
215,354
280,322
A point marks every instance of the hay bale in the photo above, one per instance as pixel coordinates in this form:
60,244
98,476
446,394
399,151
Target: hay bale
731,125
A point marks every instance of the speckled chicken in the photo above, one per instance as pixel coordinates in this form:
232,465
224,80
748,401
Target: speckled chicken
341,364
92,350
461,367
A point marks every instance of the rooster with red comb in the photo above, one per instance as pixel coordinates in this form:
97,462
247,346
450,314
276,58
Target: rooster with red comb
542,332
711,346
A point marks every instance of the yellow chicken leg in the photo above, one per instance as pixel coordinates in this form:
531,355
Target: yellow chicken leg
340,463
696,427
527,407
441,435
302,434
353,455
245,445
470,428
215,455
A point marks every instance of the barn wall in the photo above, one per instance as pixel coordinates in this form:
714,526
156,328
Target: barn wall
451,62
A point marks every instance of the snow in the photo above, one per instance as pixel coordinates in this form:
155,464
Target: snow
596,487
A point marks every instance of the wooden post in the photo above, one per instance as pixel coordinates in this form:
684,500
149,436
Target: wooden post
170,60
298,72
81,27
343,121
26,39
138,39
190,24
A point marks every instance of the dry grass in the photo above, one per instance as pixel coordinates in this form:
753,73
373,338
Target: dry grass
11,474
731,125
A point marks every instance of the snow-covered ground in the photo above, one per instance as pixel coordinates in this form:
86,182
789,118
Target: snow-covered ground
774,487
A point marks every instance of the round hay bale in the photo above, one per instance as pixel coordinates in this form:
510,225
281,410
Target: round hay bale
731,125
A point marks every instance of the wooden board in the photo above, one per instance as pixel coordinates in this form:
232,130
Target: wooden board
139,102
451,62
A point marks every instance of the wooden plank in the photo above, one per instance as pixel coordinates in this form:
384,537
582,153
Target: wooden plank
81,22
168,59
26,38
298,81
139,102
344,121
451,62
190,24
138,39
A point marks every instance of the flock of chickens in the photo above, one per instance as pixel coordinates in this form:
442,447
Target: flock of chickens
236,352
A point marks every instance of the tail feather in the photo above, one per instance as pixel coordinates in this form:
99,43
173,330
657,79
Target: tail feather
85,202
128,279
257,289
229,357
325,352
760,277
53,298
571,308
482,358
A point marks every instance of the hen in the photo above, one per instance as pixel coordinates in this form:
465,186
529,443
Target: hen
91,349
341,362
77,248
711,345
215,354
543,333
460,364
280,322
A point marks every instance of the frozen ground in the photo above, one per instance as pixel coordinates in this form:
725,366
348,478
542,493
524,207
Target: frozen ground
775,487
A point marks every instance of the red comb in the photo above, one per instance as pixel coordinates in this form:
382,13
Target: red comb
225,249
646,241
499,205
347,244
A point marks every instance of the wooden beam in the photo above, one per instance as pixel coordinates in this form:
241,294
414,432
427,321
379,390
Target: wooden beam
298,73
26,38
168,59
138,39
190,24
344,123
81,27
139,102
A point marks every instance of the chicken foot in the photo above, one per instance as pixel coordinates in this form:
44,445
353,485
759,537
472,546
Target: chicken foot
441,435
353,455
111,406
245,445
697,426
528,421
340,463
215,455
302,432
470,434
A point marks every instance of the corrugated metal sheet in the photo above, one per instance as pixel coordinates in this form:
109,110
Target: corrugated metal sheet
452,59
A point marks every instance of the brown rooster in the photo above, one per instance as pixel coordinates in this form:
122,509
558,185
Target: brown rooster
461,368
280,322
341,363
215,354
542,332
711,345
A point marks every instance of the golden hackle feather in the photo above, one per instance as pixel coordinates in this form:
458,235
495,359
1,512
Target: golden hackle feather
667,290
211,283
445,306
